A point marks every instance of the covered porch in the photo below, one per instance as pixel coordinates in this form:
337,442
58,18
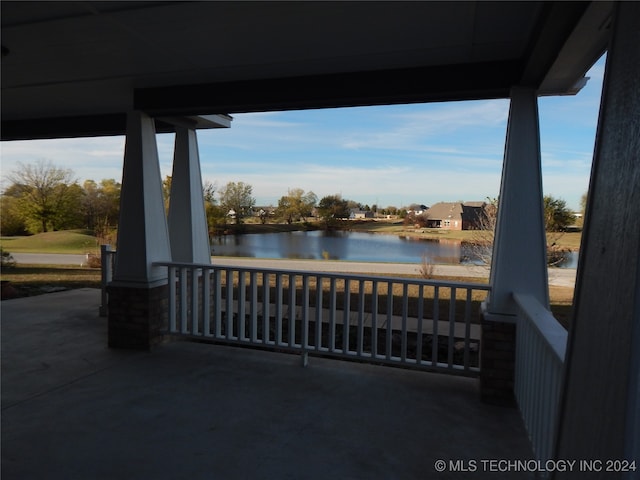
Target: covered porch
73,408
557,379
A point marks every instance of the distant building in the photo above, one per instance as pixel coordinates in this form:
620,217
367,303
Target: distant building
456,215
360,214
417,210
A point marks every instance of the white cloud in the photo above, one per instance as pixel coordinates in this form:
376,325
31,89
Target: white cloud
96,158
386,185
264,120
446,132
391,155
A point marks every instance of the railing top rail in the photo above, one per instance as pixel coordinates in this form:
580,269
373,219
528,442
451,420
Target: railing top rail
544,321
336,275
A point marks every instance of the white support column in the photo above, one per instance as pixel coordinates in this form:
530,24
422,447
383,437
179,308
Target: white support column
519,262
188,232
142,229
600,410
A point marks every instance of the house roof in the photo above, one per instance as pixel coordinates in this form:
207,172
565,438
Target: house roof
466,210
478,204
76,68
444,210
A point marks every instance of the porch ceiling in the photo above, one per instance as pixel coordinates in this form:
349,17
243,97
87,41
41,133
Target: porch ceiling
76,68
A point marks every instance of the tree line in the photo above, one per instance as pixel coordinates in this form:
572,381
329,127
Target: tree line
43,197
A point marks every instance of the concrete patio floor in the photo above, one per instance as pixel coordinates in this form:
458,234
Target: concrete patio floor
73,409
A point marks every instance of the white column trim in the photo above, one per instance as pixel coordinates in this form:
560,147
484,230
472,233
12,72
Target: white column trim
519,261
142,229
188,231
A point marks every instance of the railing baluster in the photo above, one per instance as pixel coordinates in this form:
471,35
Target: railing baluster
254,307
389,336
304,334
467,328
405,314
241,305
435,340
537,405
279,309
420,324
266,307
347,316
374,319
545,407
184,302
332,314
319,312
195,304
229,306
172,299
217,283
292,309
205,302
360,336
452,326
106,266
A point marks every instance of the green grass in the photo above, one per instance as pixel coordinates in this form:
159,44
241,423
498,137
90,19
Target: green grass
69,241
570,240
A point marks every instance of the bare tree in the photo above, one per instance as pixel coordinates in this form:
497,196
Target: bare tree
483,238
45,193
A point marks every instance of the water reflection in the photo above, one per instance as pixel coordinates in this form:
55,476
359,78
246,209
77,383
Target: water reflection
340,245
353,246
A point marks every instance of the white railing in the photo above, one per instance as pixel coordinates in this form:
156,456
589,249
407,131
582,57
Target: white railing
540,350
107,263
410,322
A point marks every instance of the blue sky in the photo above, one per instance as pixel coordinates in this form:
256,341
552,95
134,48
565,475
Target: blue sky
392,155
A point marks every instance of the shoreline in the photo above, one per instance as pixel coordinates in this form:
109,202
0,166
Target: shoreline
565,240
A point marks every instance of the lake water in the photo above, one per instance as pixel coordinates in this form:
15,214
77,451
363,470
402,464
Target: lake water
351,246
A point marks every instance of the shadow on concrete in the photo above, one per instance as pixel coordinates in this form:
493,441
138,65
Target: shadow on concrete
72,408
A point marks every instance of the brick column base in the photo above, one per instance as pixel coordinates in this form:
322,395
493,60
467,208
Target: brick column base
137,316
497,362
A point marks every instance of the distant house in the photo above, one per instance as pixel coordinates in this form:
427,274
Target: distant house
264,210
360,214
417,209
456,215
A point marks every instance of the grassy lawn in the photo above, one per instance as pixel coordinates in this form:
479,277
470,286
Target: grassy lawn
569,240
69,241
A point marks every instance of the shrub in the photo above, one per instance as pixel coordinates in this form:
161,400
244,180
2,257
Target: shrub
93,261
427,267
7,260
